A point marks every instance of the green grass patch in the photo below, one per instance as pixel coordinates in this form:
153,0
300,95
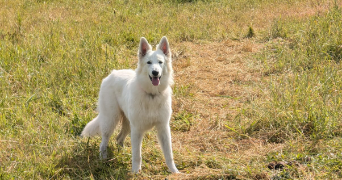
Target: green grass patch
304,96
182,121
302,87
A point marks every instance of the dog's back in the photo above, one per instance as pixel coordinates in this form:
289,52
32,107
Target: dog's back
111,97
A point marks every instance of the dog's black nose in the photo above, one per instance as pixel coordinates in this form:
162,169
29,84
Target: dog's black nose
155,73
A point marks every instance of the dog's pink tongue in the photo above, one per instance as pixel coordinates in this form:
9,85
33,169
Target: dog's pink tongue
155,81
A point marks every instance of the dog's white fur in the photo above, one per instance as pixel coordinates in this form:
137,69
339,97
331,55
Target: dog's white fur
129,96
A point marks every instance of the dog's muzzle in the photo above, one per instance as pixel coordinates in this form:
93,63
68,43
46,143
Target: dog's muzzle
155,80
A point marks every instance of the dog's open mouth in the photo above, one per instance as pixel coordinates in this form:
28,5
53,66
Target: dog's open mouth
155,80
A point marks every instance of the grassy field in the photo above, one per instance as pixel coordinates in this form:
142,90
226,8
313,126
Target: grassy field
257,94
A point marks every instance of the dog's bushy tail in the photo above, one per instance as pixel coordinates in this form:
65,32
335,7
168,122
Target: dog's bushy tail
92,128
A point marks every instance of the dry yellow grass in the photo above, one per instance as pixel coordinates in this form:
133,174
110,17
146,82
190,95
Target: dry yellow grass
219,77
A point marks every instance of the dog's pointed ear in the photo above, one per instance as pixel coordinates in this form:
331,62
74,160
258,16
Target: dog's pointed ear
144,47
164,46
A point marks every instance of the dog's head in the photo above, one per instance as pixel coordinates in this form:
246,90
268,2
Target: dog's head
155,65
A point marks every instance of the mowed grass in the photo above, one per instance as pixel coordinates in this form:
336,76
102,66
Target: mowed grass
54,54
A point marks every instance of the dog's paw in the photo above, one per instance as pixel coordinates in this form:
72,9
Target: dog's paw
174,171
103,155
135,171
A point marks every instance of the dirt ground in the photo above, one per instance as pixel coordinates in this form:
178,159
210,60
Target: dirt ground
216,80
217,77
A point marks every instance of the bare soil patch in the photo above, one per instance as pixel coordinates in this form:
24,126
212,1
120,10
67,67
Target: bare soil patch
218,77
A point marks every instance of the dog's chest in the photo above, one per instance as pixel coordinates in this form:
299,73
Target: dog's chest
150,109
154,104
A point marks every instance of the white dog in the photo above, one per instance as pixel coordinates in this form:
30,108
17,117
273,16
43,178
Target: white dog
141,99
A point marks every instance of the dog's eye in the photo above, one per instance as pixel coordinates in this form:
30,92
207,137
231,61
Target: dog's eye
160,62
149,62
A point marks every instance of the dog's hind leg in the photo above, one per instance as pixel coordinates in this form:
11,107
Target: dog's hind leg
107,127
109,113
125,130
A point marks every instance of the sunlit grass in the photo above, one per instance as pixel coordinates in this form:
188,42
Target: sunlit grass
302,95
54,54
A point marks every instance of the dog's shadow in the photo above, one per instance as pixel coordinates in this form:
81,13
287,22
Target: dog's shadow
83,162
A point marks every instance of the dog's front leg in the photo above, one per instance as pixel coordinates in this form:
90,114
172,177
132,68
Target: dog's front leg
164,137
136,140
